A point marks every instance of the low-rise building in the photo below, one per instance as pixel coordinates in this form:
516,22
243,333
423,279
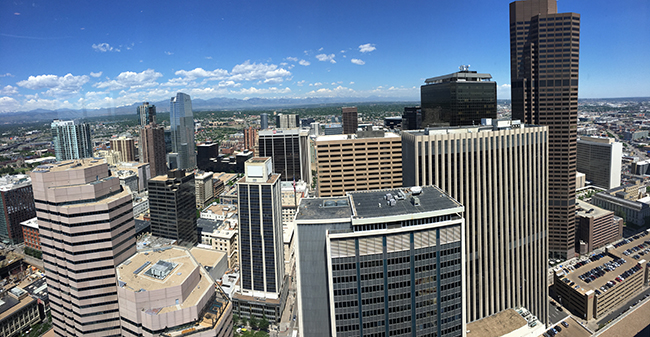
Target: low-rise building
218,235
30,233
204,191
167,292
18,312
595,227
624,201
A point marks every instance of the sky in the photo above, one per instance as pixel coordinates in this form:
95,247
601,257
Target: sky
96,54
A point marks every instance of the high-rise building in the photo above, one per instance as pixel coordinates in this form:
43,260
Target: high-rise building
204,153
86,228
16,206
126,147
181,119
204,191
461,98
350,120
289,150
172,207
498,172
287,121
412,118
152,141
261,257
367,160
544,53
71,140
147,114
600,159
264,121
381,263
251,138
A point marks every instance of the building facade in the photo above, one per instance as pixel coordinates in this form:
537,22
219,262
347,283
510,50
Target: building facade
498,172
204,153
461,98
251,137
71,140
18,312
350,120
544,90
181,119
125,146
30,234
287,121
381,263
204,191
152,139
172,207
347,163
16,206
289,150
86,228
600,159
412,118
596,227
147,113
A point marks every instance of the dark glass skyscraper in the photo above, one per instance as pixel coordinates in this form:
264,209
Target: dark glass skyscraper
173,207
461,98
544,53
350,120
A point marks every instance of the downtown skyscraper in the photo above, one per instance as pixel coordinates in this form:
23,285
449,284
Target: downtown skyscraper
71,140
544,52
181,119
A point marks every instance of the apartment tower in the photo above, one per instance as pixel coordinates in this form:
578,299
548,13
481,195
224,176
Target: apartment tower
147,114
71,140
544,53
350,120
86,228
173,207
181,119
381,263
498,172
126,147
152,142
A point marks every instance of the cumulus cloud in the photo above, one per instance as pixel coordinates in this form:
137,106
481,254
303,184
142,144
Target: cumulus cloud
503,91
247,71
132,80
256,91
8,90
96,74
105,47
366,48
6,75
357,61
169,53
8,104
325,57
292,59
338,91
196,73
304,63
57,85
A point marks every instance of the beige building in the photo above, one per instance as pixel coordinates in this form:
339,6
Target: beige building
141,170
86,228
499,173
221,237
204,191
112,157
167,292
126,148
364,161
18,312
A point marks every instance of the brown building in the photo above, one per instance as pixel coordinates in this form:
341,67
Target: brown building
152,138
595,227
251,139
350,120
126,147
544,79
368,160
30,233
86,226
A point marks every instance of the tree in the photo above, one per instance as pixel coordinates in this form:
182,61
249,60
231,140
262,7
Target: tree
264,324
254,323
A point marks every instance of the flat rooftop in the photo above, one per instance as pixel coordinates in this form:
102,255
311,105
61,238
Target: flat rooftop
70,164
371,204
315,208
587,210
467,76
327,138
207,257
496,325
135,277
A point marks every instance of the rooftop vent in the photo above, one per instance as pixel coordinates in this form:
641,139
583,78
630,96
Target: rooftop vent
415,201
416,190
161,269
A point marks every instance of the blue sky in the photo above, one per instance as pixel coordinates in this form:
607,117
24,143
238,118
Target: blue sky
76,54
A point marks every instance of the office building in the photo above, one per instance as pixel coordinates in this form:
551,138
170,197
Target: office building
203,189
624,201
393,123
544,90
287,121
16,206
412,118
461,98
640,167
125,146
18,312
251,138
264,121
205,153
595,286
142,172
181,119
595,227
221,237
600,159
71,140
168,292
86,228
152,143
498,172
147,114
31,238
381,263
367,160
261,257
350,120
289,149
172,207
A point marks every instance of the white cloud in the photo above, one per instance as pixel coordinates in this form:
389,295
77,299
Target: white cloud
248,71
8,90
256,91
325,57
58,86
6,75
343,51
357,61
196,73
292,59
300,83
366,48
131,80
169,53
105,47
320,49
208,57
503,91
317,84
96,74
8,104
338,91
351,83
42,103
304,63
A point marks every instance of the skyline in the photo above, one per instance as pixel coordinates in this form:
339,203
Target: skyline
59,56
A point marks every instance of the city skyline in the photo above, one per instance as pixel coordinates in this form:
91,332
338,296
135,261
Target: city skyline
61,57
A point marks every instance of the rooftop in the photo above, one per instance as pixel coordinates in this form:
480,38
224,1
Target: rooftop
207,257
33,223
315,209
70,164
15,181
461,76
328,138
498,324
585,209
